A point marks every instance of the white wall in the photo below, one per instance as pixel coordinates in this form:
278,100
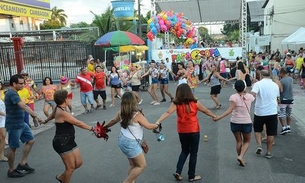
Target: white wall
288,17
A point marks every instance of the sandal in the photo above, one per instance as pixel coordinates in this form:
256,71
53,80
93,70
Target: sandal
177,176
58,179
218,107
197,177
241,162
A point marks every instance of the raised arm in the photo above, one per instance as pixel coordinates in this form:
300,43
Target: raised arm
172,108
113,121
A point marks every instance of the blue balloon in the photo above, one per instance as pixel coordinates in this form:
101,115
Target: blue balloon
151,25
154,30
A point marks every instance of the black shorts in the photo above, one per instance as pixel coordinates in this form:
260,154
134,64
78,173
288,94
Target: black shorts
64,143
215,90
101,93
135,88
116,86
270,121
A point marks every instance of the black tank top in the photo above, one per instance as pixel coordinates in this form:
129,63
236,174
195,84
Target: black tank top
64,128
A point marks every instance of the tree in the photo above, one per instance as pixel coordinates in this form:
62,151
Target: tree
58,20
80,25
204,34
59,15
228,28
105,21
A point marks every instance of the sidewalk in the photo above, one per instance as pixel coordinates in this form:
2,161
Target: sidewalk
77,109
298,109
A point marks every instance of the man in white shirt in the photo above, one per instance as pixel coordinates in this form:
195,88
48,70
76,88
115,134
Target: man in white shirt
168,66
265,111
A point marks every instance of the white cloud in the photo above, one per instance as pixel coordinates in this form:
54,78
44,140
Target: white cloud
79,10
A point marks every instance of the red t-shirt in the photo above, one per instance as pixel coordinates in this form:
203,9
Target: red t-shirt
187,122
99,80
84,82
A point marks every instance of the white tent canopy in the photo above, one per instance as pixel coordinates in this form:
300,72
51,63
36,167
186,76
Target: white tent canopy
296,38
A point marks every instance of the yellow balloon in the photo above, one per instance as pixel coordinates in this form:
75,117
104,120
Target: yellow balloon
164,16
149,21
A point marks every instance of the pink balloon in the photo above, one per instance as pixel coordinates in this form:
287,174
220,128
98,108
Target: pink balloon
163,28
161,22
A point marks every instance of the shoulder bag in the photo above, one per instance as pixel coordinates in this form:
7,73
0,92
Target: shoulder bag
142,143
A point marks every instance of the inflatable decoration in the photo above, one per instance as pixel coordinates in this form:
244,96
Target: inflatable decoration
175,23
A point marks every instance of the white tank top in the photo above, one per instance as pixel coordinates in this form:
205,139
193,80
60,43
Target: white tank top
68,88
135,128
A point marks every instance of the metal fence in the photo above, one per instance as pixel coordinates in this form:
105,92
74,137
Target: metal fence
49,59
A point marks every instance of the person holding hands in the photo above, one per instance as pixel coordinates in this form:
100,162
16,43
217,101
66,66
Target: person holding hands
241,123
186,106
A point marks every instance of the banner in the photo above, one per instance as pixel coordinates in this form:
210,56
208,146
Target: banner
123,9
42,4
178,55
24,11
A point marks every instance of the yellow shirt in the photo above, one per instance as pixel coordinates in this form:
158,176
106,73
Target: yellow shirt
24,95
298,63
90,67
2,95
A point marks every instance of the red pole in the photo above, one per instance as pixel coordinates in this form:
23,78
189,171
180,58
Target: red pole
18,42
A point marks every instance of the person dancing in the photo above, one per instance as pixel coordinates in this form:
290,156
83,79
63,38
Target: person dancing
47,90
66,84
186,106
152,90
241,123
115,83
163,73
132,123
63,141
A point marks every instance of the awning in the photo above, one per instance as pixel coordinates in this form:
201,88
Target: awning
132,48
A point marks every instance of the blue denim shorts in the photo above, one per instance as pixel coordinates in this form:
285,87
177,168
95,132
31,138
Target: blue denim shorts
243,128
15,134
130,147
84,96
154,81
164,81
50,102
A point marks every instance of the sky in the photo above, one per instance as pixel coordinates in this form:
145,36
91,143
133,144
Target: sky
79,10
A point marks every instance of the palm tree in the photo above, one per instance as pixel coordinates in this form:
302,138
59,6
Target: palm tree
105,21
59,15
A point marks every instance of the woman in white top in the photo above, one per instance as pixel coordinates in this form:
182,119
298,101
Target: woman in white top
132,122
66,84
135,79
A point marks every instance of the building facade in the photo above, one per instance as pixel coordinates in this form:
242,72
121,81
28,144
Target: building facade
282,18
23,15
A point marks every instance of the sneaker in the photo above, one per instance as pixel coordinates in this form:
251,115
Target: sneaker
156,103
104,107
259,150
140,101
86,111
164,100
25,168
15,173
288,129
268,155
98,106
152,103
111,105
283,131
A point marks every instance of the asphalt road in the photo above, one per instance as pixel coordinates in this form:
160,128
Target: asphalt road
105,163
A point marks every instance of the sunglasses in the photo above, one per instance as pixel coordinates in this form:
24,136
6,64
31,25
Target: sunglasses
21,83
24,74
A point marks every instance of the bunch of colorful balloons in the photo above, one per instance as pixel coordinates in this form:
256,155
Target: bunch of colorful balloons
172,22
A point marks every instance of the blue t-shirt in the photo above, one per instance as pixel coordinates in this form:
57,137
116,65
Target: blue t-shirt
14,113
114,79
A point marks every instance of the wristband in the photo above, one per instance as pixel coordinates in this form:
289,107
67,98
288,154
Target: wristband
92,129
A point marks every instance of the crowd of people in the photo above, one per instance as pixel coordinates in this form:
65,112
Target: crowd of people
268,78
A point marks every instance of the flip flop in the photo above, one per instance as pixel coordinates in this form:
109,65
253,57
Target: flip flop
218,107
58,179
177,176
3,160
196,178
241,162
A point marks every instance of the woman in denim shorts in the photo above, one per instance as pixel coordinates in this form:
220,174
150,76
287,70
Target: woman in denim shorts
131,134
241,123
152,90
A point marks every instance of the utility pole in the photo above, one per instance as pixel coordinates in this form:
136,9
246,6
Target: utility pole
139,19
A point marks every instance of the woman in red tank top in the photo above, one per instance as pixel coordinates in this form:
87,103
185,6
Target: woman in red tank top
186,106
